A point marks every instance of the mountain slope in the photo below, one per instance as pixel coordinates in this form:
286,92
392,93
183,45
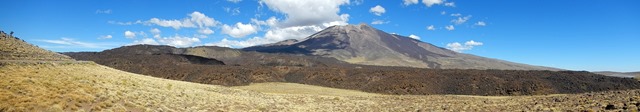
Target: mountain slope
244,68
363,44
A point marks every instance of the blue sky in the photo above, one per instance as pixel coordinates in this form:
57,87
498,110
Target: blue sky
593,35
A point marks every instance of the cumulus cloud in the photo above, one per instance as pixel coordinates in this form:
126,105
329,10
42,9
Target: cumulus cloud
409,2
195,20
431,27
450,4
271,36
481,23
205,31
156,32
377,10
443,12
129,34
302,18
105,37
430,3
234,43
461,20
108,11
176,41
460,47
234,1
271,22
376,22
456,14
450,27
306,12
147,41
239,30
414,37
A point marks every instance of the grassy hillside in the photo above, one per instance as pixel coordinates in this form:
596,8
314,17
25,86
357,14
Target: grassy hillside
85,86
12,48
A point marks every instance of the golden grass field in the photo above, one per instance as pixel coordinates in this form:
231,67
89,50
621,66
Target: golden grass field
86,86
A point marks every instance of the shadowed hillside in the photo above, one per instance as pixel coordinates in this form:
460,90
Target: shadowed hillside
377,79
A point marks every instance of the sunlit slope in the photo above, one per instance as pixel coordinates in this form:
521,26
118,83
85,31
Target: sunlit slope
13,48
294,88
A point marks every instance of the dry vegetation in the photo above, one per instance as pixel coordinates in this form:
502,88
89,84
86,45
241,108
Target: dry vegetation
85,86
12,48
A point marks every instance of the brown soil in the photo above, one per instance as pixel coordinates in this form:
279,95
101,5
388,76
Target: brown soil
376,79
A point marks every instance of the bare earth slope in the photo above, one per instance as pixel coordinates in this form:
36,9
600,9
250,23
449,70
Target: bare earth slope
363,44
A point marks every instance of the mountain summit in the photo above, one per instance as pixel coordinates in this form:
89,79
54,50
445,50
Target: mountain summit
363,44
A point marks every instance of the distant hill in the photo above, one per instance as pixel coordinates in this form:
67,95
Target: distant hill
246,67
363,44
618,74
13,48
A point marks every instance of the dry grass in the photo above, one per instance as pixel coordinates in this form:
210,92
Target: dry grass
294,88
92,87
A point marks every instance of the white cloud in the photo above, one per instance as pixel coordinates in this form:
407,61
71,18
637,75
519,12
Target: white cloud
414,37
461,20
456,14
409,2
205,31
234,1
179,41
156,32
195,19
430,3
431,27
72,43
377,10
232,11
176,41
450,4
306,12
443,12
302,18
450,27
272,36
239,44
108,11
481,23
473,43
271,22
129,34
105,37
239,30
148,41
467,46
376,22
